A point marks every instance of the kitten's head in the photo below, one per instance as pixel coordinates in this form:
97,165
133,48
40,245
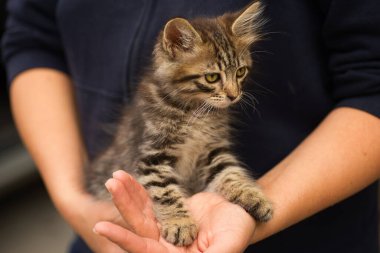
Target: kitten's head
205,61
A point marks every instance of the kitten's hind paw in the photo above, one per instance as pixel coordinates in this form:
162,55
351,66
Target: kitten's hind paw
180,231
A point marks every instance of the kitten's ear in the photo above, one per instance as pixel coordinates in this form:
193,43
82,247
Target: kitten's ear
248,22
179,35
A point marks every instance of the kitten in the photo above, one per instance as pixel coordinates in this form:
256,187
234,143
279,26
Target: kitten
175,137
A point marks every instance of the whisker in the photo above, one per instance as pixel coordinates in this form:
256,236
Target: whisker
177,91
195,114
243,106
251,97
249,101
261,51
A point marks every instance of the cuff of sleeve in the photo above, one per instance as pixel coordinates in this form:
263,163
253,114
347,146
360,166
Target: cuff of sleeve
369,104
33,58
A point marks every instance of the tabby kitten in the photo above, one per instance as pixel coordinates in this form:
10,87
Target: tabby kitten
175,137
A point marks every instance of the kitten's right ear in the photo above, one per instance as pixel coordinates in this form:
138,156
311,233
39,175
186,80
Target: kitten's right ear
179,35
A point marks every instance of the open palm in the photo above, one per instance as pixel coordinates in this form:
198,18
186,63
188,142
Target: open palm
223,226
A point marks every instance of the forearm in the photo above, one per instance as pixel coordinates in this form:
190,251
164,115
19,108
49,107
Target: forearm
338,159
45,113
44,110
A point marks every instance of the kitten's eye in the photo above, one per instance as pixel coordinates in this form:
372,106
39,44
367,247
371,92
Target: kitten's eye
212,77
241,72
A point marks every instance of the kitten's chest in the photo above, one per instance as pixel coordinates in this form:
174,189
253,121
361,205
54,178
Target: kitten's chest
193,152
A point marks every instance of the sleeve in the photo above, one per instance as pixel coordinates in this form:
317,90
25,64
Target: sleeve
351,34
31,37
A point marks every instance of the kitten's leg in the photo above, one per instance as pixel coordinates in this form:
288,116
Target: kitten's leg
177,225
227,177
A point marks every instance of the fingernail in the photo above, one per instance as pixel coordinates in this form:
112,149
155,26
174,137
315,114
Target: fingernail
94,230
114,174
121,175
117,174
109,186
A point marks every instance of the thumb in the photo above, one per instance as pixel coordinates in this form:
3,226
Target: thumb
126,239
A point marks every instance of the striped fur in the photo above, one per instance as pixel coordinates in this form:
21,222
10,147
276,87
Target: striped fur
175,137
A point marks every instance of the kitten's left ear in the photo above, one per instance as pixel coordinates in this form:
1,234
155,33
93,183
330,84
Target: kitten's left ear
248,23
179,36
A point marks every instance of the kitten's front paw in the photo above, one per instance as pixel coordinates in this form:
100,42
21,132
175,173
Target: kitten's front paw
255,203
180,231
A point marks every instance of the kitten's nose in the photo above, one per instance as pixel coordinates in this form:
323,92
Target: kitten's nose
231,92
231,97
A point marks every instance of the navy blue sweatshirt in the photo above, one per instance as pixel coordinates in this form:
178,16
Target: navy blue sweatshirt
318,55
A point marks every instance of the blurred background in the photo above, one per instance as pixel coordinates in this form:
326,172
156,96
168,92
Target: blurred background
28,219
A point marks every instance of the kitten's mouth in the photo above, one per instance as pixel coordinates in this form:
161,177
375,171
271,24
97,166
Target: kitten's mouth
222,101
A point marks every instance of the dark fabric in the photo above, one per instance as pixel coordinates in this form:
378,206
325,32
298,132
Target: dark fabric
318,55
79,246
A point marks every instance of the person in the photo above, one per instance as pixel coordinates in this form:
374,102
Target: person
313,141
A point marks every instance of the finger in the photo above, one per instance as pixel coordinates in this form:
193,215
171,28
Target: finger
127,240
126,205
136,191
141,191
141,221
144,196
130,185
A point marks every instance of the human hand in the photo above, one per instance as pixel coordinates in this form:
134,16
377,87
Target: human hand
223,226
85,212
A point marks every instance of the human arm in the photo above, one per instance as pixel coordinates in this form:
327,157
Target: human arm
44,110
338,159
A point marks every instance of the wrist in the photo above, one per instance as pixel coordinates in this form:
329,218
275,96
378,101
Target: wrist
265,229
72,205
